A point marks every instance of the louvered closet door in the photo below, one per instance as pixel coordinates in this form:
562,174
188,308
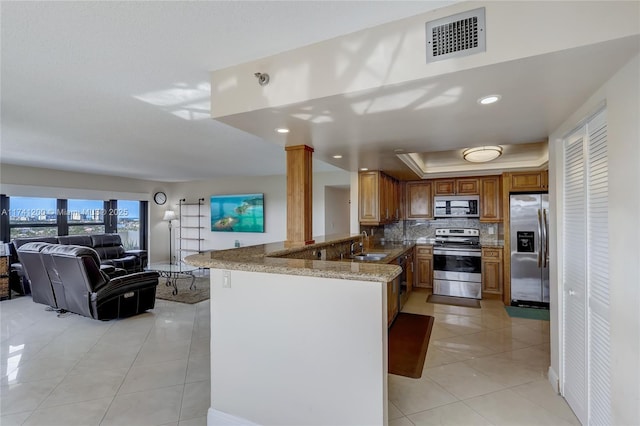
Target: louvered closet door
598,273
574,277
586,328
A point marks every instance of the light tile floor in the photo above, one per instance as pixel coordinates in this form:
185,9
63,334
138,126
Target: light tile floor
151,369
482,367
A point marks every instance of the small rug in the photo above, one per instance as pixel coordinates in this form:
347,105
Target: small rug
455,301
528,313
408,341
184,294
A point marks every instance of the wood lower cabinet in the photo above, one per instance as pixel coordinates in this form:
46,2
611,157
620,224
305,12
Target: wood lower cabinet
424,266
490,199
419,200
392,300
461,186
492,271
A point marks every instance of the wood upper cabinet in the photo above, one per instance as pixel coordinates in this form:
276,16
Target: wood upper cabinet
461,186
369,197
528,181
490,199
492,270
419,200
378,197
424,266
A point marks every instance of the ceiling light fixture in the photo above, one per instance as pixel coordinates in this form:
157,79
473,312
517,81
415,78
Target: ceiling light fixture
282,130
491,99
363,169
337,156
482,154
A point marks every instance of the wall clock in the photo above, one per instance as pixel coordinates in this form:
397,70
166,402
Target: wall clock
160,198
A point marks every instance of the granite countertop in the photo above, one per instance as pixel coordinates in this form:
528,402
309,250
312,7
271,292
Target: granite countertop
268,258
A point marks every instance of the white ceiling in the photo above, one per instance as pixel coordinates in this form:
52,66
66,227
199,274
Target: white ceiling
122,88
442,116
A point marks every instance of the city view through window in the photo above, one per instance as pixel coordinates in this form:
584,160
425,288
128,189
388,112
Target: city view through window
38,217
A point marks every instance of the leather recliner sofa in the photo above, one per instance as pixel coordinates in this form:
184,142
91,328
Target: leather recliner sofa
36,275
113,256
70,276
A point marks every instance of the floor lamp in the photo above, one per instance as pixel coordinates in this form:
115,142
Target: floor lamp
170,215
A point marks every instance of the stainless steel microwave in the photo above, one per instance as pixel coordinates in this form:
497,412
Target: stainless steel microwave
456,206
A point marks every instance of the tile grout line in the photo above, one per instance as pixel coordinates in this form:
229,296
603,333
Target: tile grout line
125,376
66,374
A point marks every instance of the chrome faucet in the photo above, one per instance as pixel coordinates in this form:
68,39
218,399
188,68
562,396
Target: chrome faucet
364,238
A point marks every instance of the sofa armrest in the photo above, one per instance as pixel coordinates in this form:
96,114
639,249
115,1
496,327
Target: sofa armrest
112,271
140,254
128,282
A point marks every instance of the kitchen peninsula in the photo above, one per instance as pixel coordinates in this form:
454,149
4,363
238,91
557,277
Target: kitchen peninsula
295,339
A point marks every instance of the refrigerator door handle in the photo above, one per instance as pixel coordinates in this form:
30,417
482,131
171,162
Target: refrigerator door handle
545,227
539,238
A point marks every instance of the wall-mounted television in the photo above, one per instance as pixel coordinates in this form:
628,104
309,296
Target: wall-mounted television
237,213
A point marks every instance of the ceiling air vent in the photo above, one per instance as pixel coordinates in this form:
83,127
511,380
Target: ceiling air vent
456,35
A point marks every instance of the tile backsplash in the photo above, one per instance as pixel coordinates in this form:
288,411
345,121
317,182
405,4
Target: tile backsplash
490,233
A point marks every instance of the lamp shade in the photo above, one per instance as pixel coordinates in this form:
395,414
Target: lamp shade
482,154
169,215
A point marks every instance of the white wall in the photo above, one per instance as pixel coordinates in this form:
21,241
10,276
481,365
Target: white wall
275,205
355,213
623,113
393,53
321,207
336,210
40,182
291,350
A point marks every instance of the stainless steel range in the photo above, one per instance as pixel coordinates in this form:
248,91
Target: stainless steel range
457,263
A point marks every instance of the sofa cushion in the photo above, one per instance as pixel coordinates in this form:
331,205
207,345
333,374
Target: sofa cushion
108,253
105,240
33,266
19,242
76,240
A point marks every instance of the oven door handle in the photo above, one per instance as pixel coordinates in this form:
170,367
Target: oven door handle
466,253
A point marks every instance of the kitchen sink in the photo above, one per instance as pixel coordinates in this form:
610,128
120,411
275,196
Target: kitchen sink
370,256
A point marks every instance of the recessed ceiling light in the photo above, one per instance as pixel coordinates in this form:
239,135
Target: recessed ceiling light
486,100
337,156
363,169
282,130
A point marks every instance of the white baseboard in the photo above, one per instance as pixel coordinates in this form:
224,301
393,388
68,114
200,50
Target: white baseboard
218,418
553,378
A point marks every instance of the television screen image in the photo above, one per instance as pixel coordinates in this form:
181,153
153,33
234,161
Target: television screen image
237,213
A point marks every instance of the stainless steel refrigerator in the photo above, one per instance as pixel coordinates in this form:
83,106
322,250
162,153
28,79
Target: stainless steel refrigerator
529,233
